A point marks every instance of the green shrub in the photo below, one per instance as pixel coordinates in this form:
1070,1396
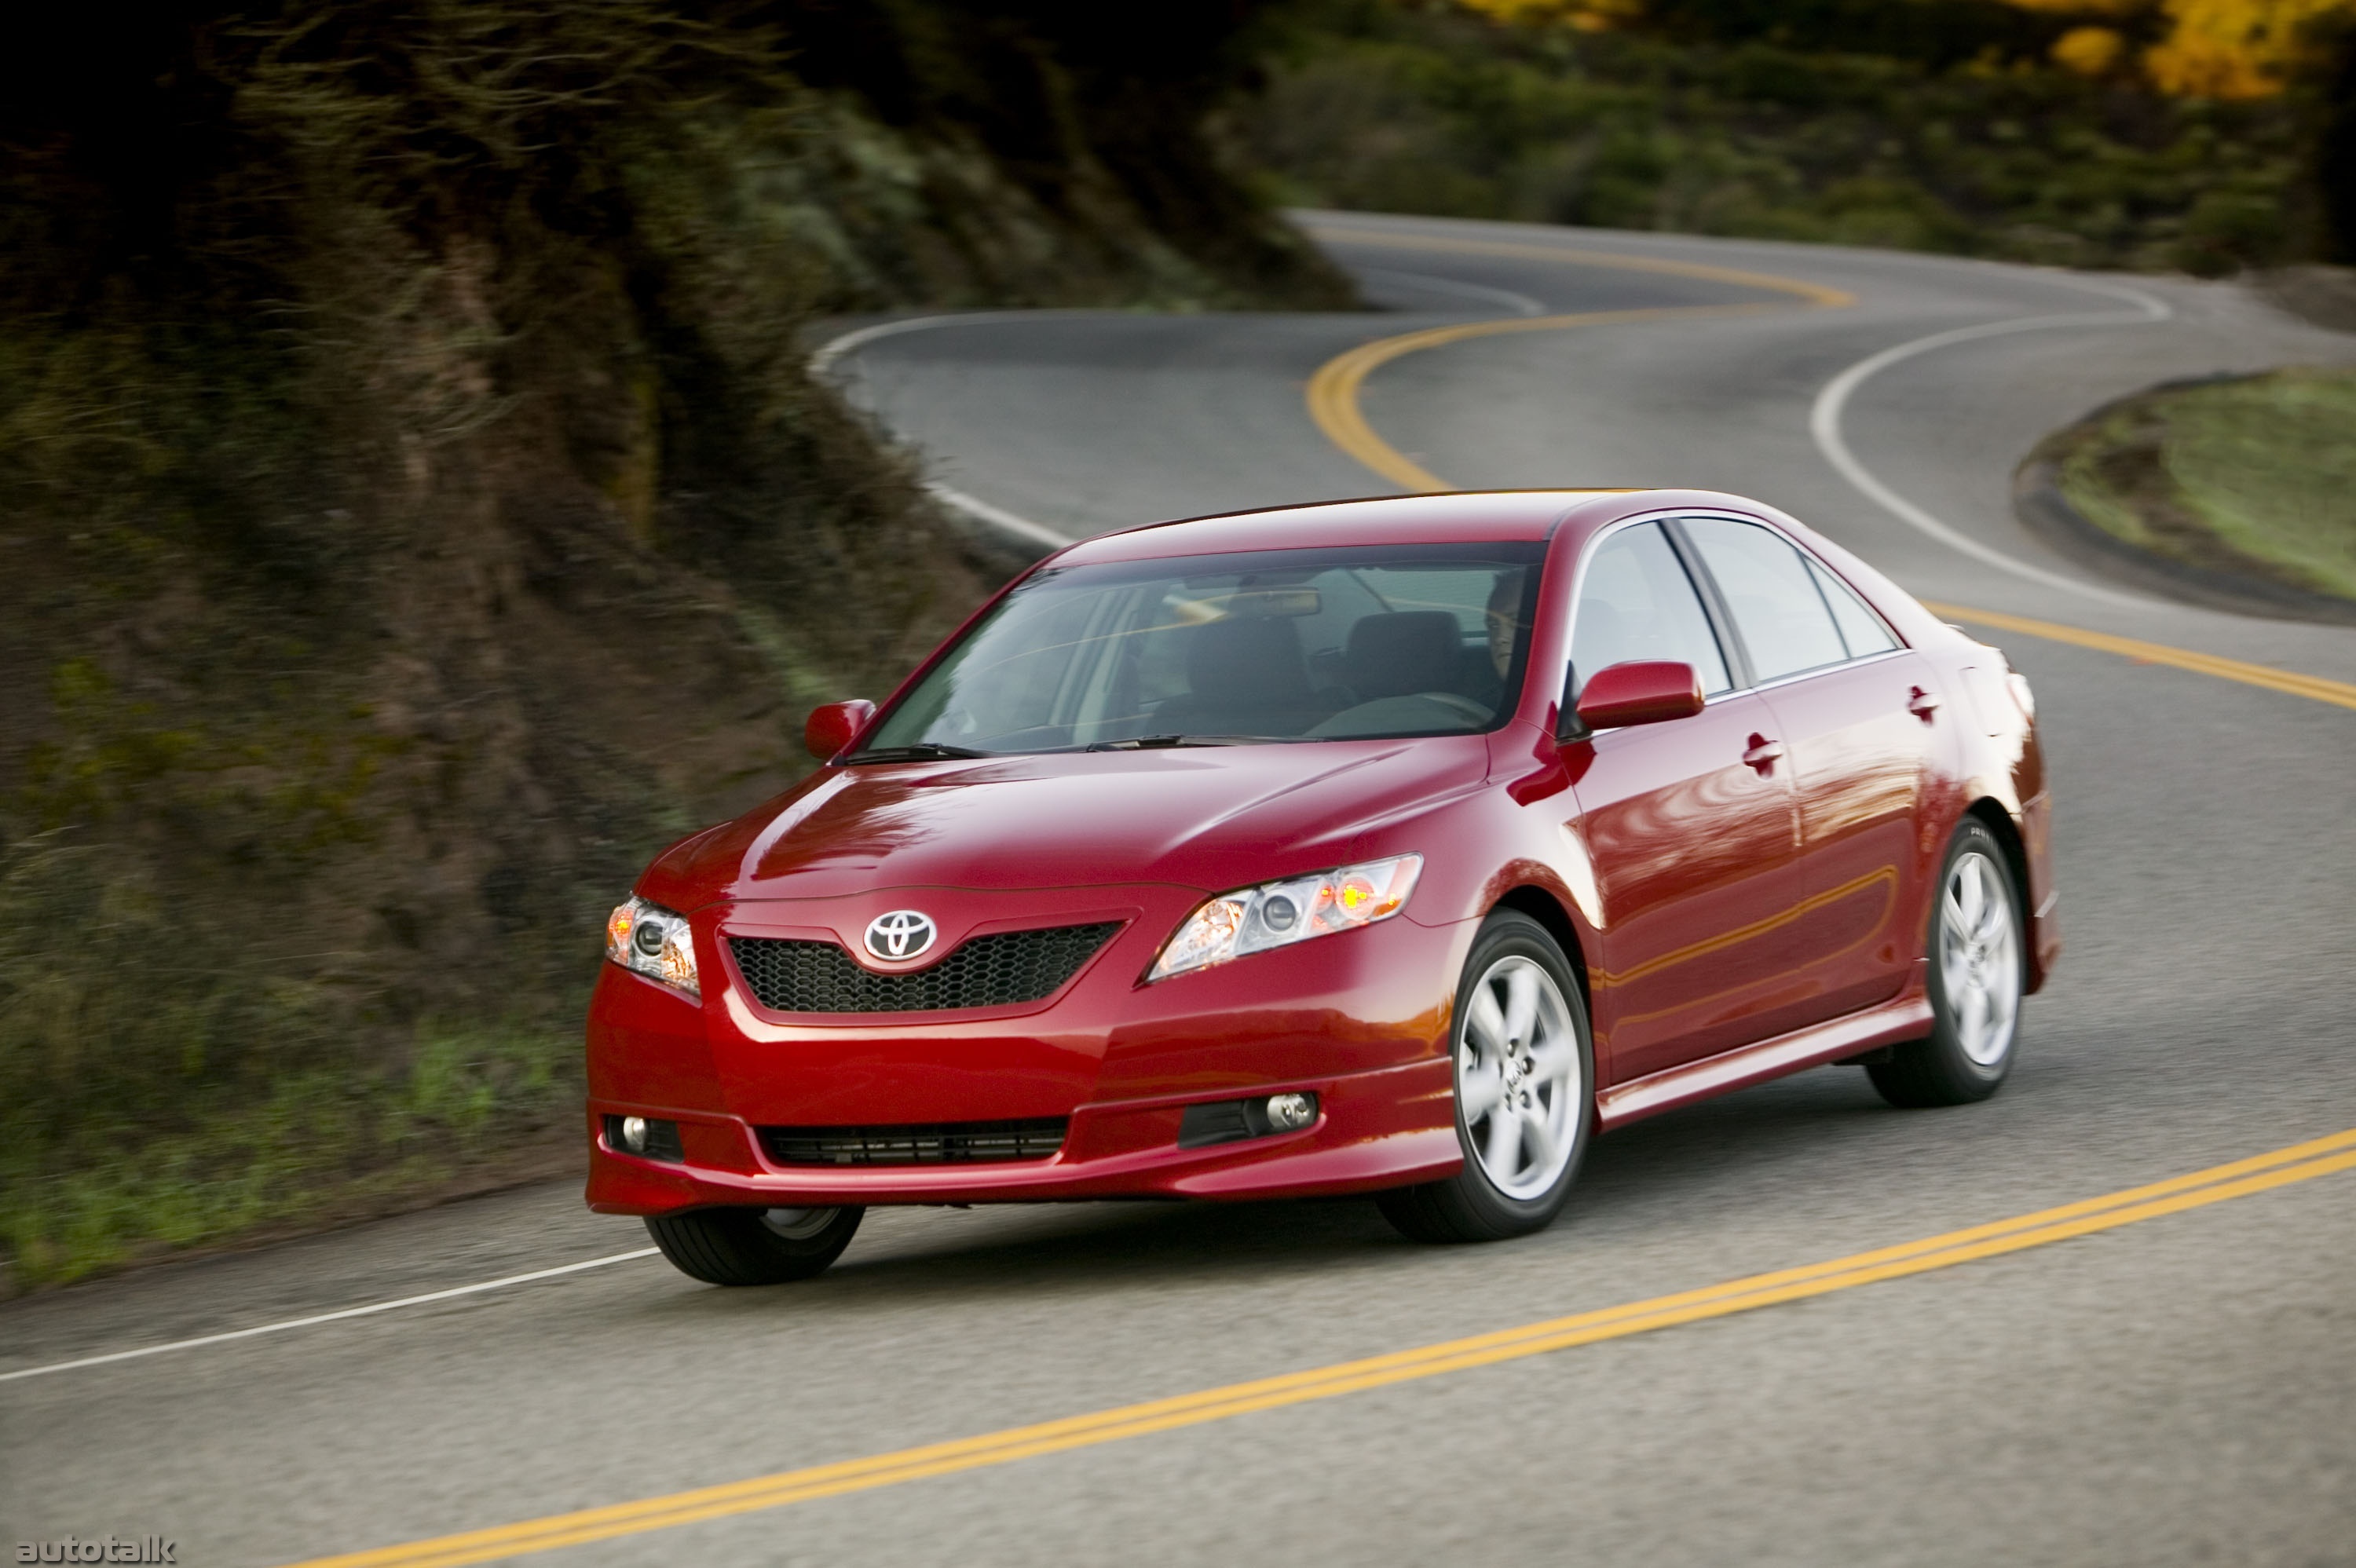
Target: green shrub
1721,124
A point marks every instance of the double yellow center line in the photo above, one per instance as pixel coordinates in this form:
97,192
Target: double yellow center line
1333,390
2315,687
2261,1173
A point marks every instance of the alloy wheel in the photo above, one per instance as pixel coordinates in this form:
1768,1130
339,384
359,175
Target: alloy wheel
1979,958
1520,1083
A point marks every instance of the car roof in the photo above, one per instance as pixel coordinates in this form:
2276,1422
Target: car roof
1470,515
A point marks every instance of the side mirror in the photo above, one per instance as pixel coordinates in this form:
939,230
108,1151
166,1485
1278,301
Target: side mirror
1640,691
835,725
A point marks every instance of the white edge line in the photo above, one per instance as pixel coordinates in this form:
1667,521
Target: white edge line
997,516
1825,426
326,1317
822,358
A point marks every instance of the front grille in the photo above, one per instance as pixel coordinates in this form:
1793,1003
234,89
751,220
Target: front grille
999,971
939,1143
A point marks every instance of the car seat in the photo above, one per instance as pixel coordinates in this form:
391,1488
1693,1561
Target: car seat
1244,676
1403,652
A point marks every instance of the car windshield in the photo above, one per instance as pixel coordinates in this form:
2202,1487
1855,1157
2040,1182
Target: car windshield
1292,644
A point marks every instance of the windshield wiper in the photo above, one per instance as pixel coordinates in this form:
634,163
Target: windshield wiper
1161,743
922,752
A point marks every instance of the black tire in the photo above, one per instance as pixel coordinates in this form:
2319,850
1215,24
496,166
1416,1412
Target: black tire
748,1246
1961,1061
1476,1204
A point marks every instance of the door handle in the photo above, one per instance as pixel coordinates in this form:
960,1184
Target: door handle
1763,753
1922,704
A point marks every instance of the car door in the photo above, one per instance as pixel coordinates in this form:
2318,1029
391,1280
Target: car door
1689,826
1859,716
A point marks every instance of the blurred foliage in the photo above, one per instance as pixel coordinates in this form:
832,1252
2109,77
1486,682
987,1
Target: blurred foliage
2231,48
416,512
2254,475
1926,124
2201,48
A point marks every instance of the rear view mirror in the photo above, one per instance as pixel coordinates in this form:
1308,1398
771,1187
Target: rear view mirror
835,725
1640,691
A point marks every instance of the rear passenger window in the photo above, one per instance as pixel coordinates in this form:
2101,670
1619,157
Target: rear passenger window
1769,589
1636,602
1861,630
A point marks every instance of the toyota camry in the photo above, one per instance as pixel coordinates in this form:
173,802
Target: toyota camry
1396,847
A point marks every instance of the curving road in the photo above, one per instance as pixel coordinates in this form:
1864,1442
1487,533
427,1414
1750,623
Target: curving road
2181,1389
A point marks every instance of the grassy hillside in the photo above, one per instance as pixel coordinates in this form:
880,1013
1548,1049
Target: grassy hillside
416,513
1928,124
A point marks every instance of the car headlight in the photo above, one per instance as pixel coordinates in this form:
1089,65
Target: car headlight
648,939
1276,914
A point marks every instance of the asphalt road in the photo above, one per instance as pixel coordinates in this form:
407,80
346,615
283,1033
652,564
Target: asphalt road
2178,1390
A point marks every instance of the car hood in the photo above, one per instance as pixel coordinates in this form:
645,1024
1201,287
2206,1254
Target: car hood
1205,817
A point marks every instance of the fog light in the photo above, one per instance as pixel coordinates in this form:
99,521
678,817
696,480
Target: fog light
633,1134
1286,1113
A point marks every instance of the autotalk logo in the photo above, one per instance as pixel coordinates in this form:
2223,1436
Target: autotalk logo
902,934
99,1549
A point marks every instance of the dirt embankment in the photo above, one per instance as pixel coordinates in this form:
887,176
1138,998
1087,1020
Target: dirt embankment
415,513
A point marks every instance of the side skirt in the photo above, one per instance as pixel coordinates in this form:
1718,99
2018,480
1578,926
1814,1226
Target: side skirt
1906,1019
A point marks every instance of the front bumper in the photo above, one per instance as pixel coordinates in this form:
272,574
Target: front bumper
1372,1130
1359,1018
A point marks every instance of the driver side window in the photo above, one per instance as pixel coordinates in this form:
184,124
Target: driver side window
1636,602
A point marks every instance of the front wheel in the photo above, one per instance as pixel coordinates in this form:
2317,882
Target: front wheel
1525,1093
1977,975
753,1246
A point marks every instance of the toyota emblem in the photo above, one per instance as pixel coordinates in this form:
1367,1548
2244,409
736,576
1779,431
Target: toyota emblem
902,934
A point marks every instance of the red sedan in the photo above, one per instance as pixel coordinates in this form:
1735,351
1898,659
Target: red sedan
1395,846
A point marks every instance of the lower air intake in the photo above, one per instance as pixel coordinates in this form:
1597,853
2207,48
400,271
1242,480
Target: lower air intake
940,1143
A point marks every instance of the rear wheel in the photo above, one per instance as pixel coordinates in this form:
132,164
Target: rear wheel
1525,1093
1978,975
753,1246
